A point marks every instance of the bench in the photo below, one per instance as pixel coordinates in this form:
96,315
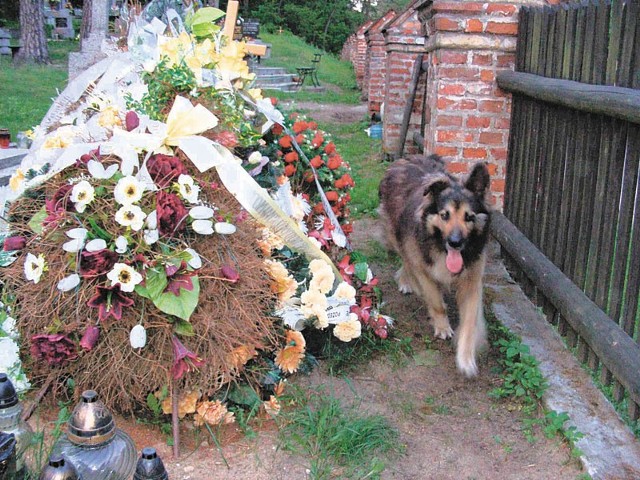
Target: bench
310,72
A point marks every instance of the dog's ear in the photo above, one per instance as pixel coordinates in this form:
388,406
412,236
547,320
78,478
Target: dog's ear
434,184
478,180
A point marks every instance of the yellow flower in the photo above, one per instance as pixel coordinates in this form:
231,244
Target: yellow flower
213,413
109,117
239,356
272,406
56,141
269,241
256,93
16,180
284,285
186,403
289,358
348,330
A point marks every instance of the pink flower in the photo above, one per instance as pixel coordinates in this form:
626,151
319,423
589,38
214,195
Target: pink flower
90,337
131,120
171,213
164,169
56,349
183,360
178,277
109,301
14,243
230,273
91,155
58,205
93,264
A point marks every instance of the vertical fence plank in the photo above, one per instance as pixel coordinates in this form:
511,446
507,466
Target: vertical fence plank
629,43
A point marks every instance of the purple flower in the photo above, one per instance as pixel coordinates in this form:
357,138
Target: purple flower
178,277
90,337
93,264
183,360
109,301
229,273
58,205
14,243
131,120
164,169
56,349
171,213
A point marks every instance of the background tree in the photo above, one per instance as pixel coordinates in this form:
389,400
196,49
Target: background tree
32,34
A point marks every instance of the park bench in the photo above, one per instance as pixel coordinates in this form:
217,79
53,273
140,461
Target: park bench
310,72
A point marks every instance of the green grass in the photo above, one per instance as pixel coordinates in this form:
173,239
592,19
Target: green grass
337,76
340,442
27,91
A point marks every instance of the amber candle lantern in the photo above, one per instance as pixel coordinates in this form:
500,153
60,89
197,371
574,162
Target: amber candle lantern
5,138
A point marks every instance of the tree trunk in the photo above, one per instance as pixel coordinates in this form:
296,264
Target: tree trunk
32,35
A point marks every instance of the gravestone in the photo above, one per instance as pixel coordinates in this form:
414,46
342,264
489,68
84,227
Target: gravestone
251,28
61,21
5,38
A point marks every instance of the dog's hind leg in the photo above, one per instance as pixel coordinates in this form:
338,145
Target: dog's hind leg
471,334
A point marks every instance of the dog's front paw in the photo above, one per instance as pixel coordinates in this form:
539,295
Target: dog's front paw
467,365
403,285
444,332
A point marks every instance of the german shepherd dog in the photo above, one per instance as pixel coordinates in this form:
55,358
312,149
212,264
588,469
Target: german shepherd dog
439,227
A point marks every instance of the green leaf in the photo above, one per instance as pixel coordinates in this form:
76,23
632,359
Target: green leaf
155,281
35,223
181,306
361,271
97,230
184,328
154,404
244,395
201,23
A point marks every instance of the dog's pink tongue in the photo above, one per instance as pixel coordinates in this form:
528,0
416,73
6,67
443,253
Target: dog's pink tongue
454,260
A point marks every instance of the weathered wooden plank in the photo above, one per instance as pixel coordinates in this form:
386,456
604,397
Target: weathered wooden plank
630,42
615,39
616,102
614,347
408,108
589,41
632,292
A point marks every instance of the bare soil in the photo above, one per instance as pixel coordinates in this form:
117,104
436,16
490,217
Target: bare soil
448,425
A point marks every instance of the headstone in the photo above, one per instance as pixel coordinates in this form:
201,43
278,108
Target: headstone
5,38
251,28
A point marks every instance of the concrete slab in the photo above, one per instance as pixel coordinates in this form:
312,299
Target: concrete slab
610,450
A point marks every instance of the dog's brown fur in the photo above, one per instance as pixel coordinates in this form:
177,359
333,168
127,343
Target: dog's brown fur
439,226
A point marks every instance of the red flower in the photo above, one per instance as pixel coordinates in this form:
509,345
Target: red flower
226,139
171,213
318,140
165,168
291,157
334,162
131,120
313,125
285,142
318,208
330,148
91,155
93,264
14,243
229,273
109,301
289,170
300,126
183,360
347,228
344,182
273,100
178,277
317,162
308,176
240,217
332,196
300,139
277,129
90,337
56,349
346,267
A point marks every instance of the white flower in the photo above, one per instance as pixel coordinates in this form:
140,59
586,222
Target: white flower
82,194
95,245
151,236
254,158
201,212
138,337
121,242
34,267
128,190
348,330
196,261
124,275
69,283
97,170
131,216
345,292
188,189
225,228
9,353
323,276
152,220
77,236
203,227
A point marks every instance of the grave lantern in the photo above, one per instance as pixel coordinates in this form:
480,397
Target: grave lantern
59,468
10,421
150,466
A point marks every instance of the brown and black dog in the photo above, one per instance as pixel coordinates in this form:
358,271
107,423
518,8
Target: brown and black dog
439,226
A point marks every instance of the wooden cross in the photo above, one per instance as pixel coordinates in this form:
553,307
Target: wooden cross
230,23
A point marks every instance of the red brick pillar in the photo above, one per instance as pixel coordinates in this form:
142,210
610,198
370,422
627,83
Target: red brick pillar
467,115
404,43
375,65
360,55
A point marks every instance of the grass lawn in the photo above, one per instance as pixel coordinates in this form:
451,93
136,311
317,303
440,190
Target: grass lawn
26,92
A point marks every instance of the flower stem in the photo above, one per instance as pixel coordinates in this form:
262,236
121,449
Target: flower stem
175,422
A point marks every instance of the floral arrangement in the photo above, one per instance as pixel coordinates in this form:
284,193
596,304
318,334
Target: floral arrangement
189,245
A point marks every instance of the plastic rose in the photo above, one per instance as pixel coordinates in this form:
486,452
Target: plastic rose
128,190
93,264
349,329
188,190
55,349
34,267
323,276
131,216
314,304
213,413
165,169
345,292
171,214
124,275
82,194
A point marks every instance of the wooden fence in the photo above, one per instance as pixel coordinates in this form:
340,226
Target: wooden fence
573,179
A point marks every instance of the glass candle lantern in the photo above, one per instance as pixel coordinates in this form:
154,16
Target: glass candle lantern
11,422
150,466
5,138
94,445
7,455
59,468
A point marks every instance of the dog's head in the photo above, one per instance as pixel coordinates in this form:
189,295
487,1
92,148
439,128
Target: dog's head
456,216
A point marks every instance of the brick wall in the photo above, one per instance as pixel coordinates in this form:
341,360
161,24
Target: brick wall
360,54
404,43
375,63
